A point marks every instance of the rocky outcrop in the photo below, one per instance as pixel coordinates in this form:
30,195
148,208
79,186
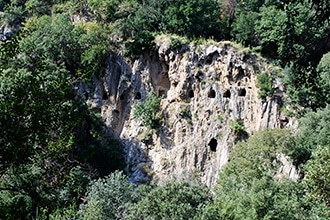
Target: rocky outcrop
205,90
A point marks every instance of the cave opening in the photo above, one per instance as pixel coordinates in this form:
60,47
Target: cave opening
138,95
213,144
211,93
105,96
191,94
242,92
226,94
209,61
161,93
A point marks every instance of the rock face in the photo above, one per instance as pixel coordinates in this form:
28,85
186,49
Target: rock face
205,90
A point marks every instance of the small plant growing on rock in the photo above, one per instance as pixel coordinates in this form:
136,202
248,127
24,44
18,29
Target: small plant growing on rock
220,118
195,116
237,127
185,113
219,135
145,136
148,111
265,84
239,130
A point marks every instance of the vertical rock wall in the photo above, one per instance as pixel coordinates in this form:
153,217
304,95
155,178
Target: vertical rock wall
205,90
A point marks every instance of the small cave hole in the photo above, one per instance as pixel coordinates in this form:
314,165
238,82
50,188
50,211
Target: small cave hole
226,94
122,96
191,94
242,92
240,71
211,93
283,122
116,112
138,95
213,144
105,96
209,61
161,93
86,95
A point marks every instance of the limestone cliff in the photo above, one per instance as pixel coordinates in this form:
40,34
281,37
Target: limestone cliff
204,90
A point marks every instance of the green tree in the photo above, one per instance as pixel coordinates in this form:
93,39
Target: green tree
313,132
46,130
172,200
247,188
323,69
317,176
108,198
105,10
272,32
194,19
246,13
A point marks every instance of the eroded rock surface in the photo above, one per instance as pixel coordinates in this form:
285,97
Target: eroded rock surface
205,90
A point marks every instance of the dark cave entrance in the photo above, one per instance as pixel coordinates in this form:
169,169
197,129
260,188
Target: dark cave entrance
138,95
213,144
191,94
226,94
105,96
242,92
211,93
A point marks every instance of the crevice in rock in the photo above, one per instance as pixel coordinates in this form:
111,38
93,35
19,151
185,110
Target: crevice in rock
242,92
199,76
162,93
191,94
283,122
211,93
209,61
138,95
105,95
213,144
227,94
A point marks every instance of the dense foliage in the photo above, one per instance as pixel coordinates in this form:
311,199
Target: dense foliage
54,162
148,111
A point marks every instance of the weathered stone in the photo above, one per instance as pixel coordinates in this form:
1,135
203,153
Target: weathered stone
204,89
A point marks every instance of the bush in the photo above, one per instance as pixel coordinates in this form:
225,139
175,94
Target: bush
265,84
247,188
147,111
108,198
323,69
318,176
173,200
314,131
237,127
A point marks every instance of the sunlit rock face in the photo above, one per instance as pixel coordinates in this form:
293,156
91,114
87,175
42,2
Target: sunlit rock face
205,89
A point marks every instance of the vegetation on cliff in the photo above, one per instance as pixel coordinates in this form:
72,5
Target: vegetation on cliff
52,149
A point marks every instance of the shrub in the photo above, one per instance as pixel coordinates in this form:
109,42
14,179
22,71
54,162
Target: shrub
107,198
318,176
147,111
173,200
265,84
237,126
